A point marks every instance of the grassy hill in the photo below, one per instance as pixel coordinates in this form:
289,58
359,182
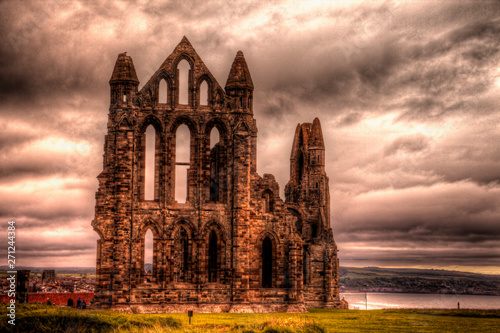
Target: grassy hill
374,279
44,318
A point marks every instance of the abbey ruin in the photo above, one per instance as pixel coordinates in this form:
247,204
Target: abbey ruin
234,245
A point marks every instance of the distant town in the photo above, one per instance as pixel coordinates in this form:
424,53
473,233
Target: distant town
50,285
49,282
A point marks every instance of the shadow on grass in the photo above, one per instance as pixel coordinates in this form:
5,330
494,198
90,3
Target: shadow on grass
43,318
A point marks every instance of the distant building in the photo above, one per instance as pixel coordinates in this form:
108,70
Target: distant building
22,285
234,245
48,276
68,285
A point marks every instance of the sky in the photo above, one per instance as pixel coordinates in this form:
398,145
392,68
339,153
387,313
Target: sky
407,94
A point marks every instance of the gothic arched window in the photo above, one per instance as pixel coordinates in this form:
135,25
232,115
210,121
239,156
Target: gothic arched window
182,163
314,230
183,67
212,257
304,265
204,93
163,92
148,254
300,167
150,157
215,166
267,263
268,201
184,255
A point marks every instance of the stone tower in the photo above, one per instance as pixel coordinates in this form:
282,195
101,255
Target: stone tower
308,197
233,245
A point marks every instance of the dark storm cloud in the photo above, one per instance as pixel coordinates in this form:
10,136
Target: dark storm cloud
473,156
350,119
38,166
11,138
426,257
191,11
418,231
73,246
277,106
32,245
385,64
410,144
56,207
450,73
54,145
20,169
438,218
50,53
465,153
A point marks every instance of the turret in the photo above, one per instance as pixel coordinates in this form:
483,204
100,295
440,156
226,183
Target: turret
316,139
316,147
239,85
123,82
308,185
308,153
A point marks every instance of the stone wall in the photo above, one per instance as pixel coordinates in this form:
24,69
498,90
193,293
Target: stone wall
55,298
60,298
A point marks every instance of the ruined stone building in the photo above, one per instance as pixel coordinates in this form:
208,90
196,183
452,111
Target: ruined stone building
48,276
232,244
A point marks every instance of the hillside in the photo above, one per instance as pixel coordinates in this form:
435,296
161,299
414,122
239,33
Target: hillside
44,318
409,280
375,279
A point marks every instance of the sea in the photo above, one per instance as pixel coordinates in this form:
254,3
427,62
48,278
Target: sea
372,301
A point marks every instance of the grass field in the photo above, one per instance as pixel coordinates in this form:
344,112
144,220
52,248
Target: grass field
44,318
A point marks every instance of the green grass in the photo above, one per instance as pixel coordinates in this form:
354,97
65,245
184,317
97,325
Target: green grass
43,318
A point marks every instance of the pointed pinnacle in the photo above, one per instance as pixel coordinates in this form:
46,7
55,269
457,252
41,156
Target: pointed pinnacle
185,40
239,75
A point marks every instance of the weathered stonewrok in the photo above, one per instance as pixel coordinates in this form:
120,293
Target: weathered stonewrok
234,245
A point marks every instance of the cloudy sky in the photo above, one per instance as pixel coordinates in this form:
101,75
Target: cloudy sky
408,94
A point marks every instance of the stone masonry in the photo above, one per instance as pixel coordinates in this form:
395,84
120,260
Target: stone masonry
234,245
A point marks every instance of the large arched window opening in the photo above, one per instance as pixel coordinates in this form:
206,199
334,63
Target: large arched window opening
149,173
304,265
300,167
184,255
297,219
182,163
212,257
268,201
214,137
204,93
215,167
314,230
163,92
267,263
148,255
183,69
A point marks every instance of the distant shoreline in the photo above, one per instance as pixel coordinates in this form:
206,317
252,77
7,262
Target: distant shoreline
413,292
